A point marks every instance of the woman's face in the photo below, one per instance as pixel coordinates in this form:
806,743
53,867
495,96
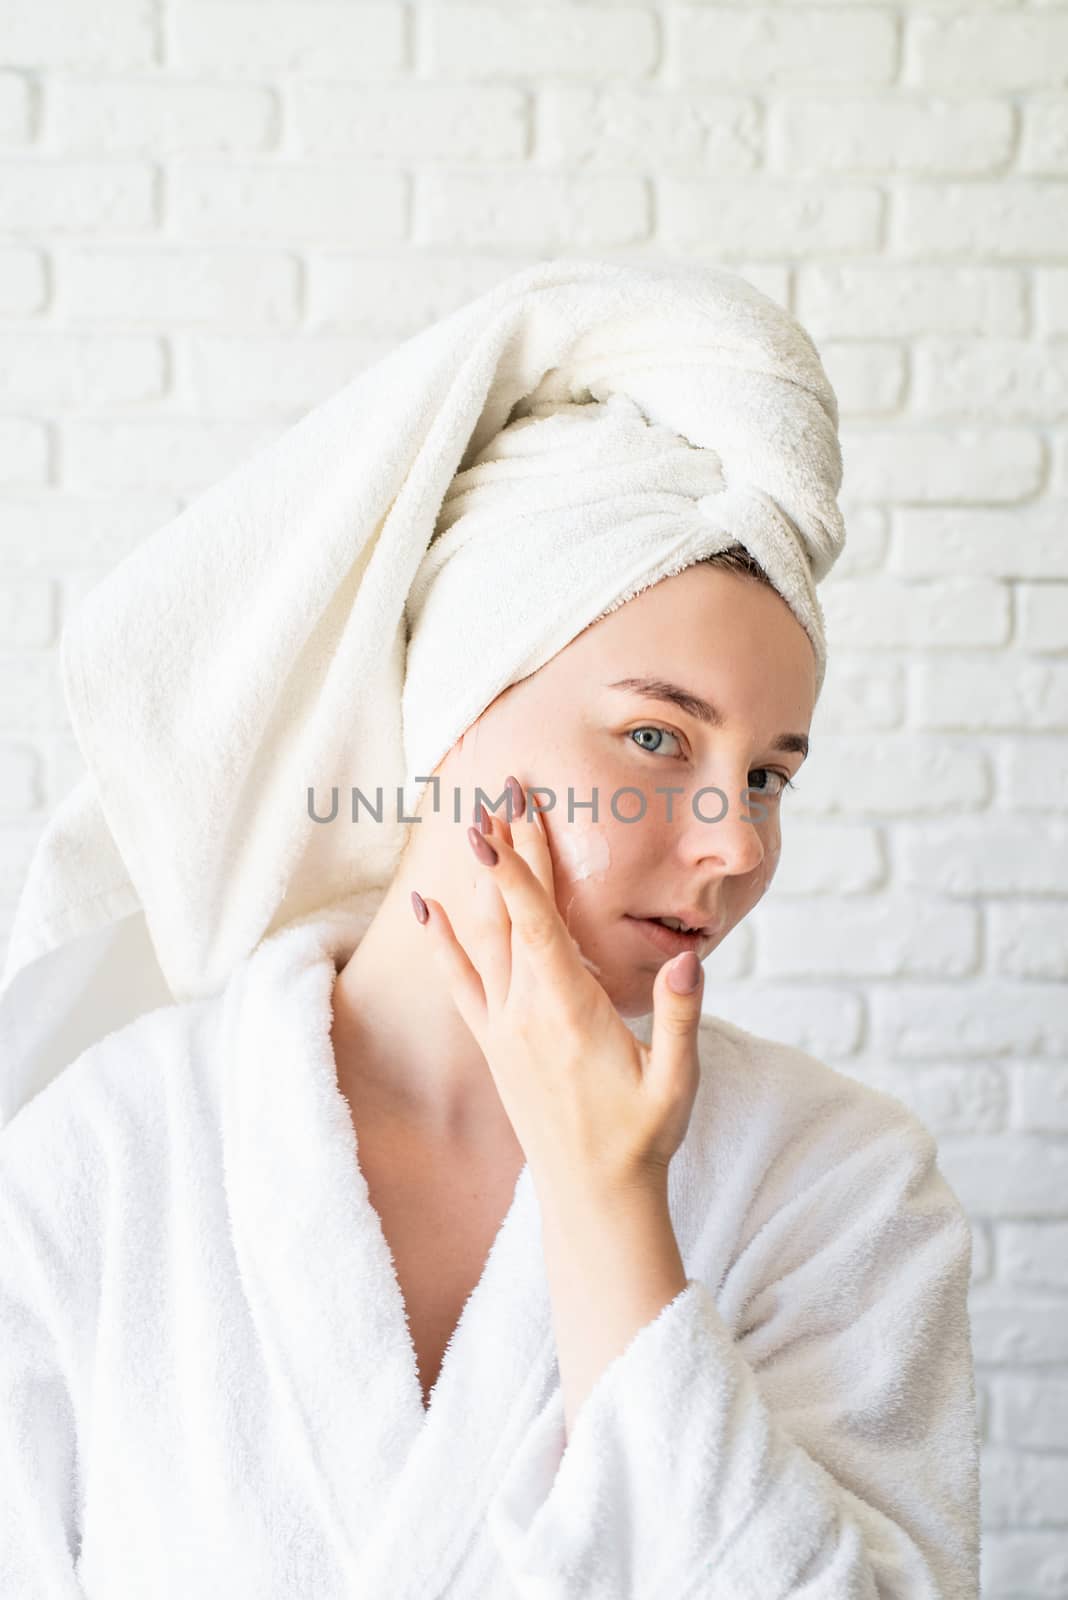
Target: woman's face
725,639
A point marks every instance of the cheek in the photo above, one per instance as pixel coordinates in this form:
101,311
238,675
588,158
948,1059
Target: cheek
580,853
768,867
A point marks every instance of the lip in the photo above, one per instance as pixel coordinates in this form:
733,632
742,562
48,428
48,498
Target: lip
666,939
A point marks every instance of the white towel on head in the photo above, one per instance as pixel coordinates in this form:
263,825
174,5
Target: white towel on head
256,648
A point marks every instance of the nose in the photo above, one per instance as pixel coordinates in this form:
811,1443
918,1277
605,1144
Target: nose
714,827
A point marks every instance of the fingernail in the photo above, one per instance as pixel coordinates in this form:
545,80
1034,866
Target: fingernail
481,818
685,973
419,906
482,847
519,799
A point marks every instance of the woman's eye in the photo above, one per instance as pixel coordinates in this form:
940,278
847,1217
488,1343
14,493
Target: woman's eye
659,733
780,778
772,777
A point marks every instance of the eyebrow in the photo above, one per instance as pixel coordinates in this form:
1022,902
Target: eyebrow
702,710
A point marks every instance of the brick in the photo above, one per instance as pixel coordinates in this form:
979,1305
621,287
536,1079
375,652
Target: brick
770,279
824,1020
1027,542
31,692
20,768
989,854
274,202
982,1251
328,40
1033,1255
894,937
64,765
1030,1411
619,124
947,1099
23,281
1029,941
1044,142
396,295
1042,616
963,464
930,1019
1051,298
840,858
1033,773
867,534
66,371
531,209
224,288
1040,1089
776,48
157,117
767,218
888,613
27,612
890,135
471,41
894,776
18,841
1022,52
238,378
17,111
861,696
1011,1330
1009,692
1001,378
185,456
77,196
65,34
867,377
24,452
899,301
53,531
1011,218
1020,1489
1005,1174
1021,1564
410,122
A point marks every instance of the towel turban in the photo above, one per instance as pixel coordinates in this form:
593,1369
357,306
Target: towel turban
339,609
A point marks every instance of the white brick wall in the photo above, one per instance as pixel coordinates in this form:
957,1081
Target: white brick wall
211,214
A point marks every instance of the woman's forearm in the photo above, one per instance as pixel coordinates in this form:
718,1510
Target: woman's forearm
612,1263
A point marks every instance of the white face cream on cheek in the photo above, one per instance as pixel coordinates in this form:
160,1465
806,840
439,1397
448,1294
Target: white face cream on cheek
586,855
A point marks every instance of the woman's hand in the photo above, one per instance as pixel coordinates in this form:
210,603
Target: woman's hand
595,1110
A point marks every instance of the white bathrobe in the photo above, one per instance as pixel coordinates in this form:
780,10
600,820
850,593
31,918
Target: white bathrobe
208,1390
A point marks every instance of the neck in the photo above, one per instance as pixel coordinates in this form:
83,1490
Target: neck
403,1051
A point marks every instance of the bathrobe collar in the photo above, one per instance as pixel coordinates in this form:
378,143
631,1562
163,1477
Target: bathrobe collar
326,1303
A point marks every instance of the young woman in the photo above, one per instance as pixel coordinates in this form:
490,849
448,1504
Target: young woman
454,1246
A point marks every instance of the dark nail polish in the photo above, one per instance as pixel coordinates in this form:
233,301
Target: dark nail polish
483,820
519,799
419,906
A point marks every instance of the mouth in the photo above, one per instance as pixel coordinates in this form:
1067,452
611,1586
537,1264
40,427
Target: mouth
671,940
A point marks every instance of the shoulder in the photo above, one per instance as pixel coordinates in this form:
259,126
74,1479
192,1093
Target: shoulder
795,1120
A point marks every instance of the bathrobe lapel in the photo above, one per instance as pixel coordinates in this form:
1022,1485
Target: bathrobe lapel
401,1490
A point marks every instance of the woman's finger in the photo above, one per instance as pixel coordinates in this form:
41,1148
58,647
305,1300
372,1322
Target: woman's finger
489,936
463,978
538,930
530,838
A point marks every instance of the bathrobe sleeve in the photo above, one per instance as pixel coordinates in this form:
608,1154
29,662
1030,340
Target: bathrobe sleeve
826,1449
38,1523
